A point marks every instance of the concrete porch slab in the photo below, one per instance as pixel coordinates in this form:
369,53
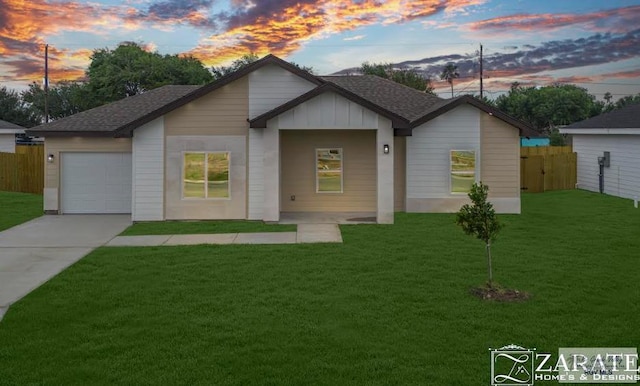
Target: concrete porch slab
319,233
327,218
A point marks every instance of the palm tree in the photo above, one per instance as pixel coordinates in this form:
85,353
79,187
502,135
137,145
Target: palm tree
449,73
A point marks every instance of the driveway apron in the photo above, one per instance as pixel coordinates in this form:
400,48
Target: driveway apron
34,252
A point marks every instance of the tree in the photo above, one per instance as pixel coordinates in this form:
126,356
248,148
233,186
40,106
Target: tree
486,100
406,76
479,220
244,60
14,109
627,100
548,107
129,70
65,98
449,73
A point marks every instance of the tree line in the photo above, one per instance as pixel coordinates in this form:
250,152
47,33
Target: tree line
129,69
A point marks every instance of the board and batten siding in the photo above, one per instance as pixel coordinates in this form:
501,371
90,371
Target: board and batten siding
148,172
428,159
328,111
500,163
271,86
298,155
57,145
622,178
221,112
256,175
399,173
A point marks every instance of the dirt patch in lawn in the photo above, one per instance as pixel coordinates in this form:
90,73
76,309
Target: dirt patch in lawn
495,292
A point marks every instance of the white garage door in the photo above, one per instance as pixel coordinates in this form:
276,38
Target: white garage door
95,182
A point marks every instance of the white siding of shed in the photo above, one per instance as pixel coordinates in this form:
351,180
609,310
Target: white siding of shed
148,172
272,86
622,178
7,143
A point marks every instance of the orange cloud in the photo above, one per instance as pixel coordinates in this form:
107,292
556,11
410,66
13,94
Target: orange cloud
612,20
286,30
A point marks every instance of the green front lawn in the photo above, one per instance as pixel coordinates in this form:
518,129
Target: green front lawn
16,208
389,306
200,227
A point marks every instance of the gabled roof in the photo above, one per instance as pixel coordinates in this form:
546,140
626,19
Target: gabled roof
449,104
111,119
404,101
398,121
627,117
120,118
405,107
10,128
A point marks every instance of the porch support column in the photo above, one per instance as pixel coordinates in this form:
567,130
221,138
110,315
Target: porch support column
384,136
271,142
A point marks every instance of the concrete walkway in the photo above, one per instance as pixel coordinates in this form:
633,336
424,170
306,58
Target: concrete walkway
34,252
307,233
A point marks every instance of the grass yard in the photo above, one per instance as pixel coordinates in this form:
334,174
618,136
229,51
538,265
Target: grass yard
389,306
16,208
200,227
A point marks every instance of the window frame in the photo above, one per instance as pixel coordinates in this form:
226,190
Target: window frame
476,172
206,175
341,170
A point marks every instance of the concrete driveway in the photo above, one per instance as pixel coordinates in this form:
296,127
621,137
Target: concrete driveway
36,251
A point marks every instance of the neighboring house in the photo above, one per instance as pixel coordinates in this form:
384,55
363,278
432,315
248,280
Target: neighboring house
8,133
270,139
618,134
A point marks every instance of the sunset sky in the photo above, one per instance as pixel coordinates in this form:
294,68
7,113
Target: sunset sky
595,44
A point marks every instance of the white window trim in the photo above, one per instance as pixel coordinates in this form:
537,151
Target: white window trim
206,167
341,170
476,170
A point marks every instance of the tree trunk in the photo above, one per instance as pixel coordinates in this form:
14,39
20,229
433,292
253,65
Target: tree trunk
451,88
489,263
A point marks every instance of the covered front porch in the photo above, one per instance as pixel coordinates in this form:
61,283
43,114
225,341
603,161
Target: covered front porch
323,154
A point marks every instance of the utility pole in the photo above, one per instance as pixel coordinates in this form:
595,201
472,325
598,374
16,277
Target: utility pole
46,83
481,75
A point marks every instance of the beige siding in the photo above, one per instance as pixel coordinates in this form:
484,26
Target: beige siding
399,173
78,144
221,112
179,208
500,157
298,171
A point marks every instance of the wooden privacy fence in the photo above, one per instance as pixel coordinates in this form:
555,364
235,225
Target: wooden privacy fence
23,171
547,168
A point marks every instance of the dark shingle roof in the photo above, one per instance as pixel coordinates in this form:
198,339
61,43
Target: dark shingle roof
404,106
108,119
4,125
627,117
404,101
120,118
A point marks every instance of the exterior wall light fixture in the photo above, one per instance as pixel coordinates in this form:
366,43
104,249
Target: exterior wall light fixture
385,148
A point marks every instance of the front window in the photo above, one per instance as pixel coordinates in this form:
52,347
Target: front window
206,175
329,170
463,170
